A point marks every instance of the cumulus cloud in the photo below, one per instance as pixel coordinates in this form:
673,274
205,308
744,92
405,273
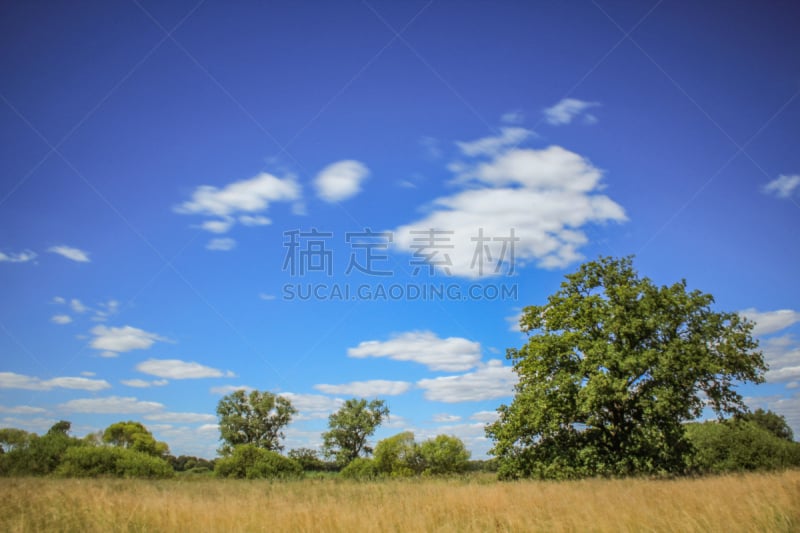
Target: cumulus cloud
143,383
111,405
11,380
374,387
341,180
181,418
444,417
61,319
313,406
452,354
227,389
221,225
493,380
767,322
177,369
487,417
783,186
508,137
19,257
221,245
246,196
567,109
73,254
782,354
520,205
116,340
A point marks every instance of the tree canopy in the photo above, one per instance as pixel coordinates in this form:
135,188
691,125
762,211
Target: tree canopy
350,427
134,436
613,366
256,418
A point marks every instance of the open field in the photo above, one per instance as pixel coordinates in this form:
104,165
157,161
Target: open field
755,502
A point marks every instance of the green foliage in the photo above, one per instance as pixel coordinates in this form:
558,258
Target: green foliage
739,445
90,461
257,418
444,454
251,462
12,438
360,468
134,436
349,428
613,366
185,463
772,422
308,459
38,456
398,456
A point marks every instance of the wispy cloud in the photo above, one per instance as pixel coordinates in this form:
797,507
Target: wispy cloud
19,257
177,369
11,380
71,253
567,109
374,387
782,186
221,245
424,347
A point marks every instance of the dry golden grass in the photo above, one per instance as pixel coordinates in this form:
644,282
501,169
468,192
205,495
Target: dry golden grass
756,502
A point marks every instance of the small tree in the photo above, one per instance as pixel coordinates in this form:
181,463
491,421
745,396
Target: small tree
257,418
444,454
134,436
772,422
613,367
350,427
398,456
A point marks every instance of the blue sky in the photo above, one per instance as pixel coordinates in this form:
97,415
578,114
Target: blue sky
163,167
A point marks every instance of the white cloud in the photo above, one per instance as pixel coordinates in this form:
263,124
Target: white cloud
11,380
488,382
177,369
543,196
74,254
115,340
221,245
782,186
249,220
374,387
227,389
111,405
767,322
566,110
22,410
341,180
106,310
487,417
451,354
36,425
312,406
266,297
59,300
77,306
21,257
512,117
444,417
181,418
88,374
782,354
246,196
143,384
61,319
513,320
218,225
491,146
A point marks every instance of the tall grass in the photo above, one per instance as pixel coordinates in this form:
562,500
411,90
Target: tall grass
754,502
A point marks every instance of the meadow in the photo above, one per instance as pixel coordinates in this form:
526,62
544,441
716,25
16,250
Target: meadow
750,502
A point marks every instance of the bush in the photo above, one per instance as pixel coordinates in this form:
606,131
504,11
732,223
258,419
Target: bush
739,445
360,468
444,455
112,462
398,456
251,462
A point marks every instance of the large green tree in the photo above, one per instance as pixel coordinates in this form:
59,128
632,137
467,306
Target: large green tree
613,366
350,427
134,436
256,418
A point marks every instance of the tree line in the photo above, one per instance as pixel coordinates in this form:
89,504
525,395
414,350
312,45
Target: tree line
612,379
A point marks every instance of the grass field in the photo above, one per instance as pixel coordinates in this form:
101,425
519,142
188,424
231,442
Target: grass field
755,502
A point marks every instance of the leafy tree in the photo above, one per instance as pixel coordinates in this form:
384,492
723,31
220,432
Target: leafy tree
61,427
349,428
444,454
251,462
613,366
257,418
134,436
39,456
398,456
12,438
772,422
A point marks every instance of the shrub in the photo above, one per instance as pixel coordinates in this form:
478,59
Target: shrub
112,462
360,468
251,462
444,455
